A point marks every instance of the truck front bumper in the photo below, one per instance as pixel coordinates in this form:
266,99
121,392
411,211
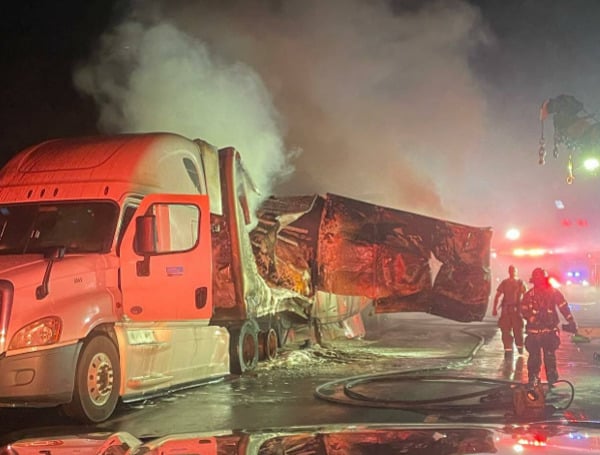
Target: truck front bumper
38,379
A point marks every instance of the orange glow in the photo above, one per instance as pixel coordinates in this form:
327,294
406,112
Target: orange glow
533,439
532,442
533,252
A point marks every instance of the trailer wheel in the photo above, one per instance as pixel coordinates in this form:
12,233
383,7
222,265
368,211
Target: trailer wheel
268,343
97,380
243,348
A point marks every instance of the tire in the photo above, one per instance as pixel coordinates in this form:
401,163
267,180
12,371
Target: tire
268,344
97,379
243,347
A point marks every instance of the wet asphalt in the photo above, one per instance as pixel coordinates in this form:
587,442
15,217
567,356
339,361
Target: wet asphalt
287,391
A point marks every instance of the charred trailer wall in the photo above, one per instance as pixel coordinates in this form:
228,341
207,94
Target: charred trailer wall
387,254
348,247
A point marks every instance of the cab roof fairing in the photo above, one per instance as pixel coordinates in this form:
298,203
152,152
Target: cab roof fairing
105,167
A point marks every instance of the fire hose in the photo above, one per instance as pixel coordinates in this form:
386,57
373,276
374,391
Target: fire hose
526,401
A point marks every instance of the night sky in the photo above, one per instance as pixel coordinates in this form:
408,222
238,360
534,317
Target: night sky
427,106
40,44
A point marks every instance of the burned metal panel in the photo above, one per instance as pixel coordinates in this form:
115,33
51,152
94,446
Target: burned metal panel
383,253
365,249
240,290
463,284
224,296
337,245
285,241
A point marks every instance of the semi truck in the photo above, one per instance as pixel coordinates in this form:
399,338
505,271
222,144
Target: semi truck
133,265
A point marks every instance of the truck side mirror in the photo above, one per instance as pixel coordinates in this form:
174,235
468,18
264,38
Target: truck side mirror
145,235
52,254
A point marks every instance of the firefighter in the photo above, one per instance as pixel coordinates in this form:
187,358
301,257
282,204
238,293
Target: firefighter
539,307
511,320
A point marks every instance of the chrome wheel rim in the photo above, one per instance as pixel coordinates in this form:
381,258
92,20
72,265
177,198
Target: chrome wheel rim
100,379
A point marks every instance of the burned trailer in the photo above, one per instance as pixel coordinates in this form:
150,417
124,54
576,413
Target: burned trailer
346,254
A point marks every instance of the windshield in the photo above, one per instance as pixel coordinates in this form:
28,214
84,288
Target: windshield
80,227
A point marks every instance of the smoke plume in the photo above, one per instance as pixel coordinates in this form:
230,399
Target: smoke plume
156,78
378,96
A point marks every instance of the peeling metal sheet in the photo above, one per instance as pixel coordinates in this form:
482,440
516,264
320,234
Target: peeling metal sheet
348,247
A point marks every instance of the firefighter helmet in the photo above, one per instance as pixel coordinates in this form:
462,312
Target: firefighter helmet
538,274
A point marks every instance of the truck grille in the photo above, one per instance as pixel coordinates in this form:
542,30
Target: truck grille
6,299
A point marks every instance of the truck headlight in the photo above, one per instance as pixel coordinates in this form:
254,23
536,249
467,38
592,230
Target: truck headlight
39,333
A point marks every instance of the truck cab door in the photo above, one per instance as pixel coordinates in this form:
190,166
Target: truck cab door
166,260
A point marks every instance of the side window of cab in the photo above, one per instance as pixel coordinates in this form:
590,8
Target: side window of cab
167,228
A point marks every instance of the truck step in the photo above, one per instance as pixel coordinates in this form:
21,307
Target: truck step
142,382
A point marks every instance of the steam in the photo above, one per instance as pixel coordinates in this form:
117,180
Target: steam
380,100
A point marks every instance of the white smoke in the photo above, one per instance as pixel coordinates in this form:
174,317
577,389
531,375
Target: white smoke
383,103
157,78
380,100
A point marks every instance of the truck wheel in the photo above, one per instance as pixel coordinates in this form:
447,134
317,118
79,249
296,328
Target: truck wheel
97,380
243,348
268,343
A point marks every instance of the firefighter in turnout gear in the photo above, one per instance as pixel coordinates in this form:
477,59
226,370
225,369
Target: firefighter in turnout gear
511,320
539,307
